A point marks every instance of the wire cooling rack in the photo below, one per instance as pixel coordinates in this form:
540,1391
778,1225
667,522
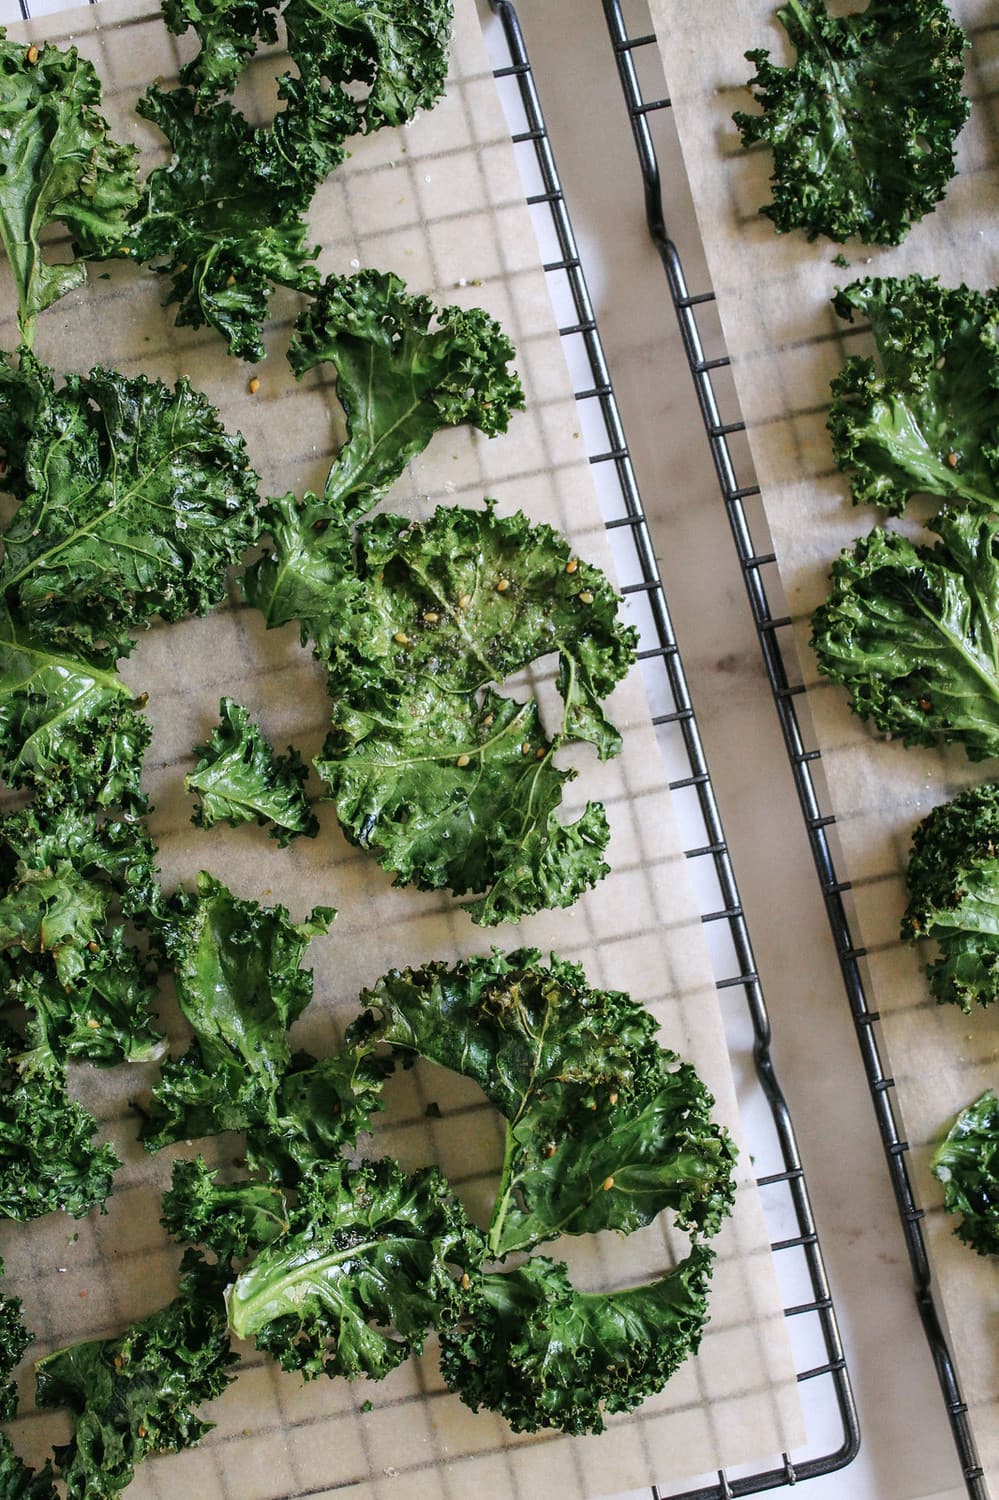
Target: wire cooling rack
831,1418
830,1412
723,424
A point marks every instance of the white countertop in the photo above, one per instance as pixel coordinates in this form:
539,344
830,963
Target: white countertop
907,1450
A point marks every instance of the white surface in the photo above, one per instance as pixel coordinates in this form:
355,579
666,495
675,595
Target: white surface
907,1451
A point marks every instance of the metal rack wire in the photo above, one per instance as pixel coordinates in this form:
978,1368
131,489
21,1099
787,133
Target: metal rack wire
737,486
663,658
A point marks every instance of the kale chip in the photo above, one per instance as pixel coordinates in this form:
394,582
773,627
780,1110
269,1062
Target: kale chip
58,165
238,778
913,633
133,502
450,783
953,880
544,1355
604,1128
967,1163
923,417
863,123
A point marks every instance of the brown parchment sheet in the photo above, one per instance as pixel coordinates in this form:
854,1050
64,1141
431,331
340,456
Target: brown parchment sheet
441,203
786,343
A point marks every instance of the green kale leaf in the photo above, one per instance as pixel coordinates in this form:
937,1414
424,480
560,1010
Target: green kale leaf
238,778
396,51
923,418
240,987
967,1163
544,1355
18,1482
363,1275
863,123
913,633
58,165
133,502
14,1339
70,729
233,1220
135,1395
48,1159
225,215
405,369
604,1128
953,880
319,1107
453,785
63,954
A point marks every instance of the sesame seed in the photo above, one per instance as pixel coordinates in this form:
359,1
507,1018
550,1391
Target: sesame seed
502,584
463,760
572,565
401,638
32,56
608,1184
585,597
254,386
464,601
525,748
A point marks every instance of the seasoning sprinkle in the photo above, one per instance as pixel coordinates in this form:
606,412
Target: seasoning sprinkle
572,565
585,597
502,584
463,761
32,56
401,638
254,385
608,1183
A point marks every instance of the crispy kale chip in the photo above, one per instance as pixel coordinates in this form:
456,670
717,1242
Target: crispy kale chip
240,987
238,778
18,1482
58,165
544,1355
232,1220
913,633
395,50
953,880
133,502
66,881
14,1339
452,784
70,729
604,1128
967,1163
922,418
48,1159
135,1395
374,1260
863,123
405,369
224,218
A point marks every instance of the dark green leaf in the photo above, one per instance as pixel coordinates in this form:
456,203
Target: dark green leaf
238,778
240,987
913,633
953,880
70,729
58,165
18,1482
863,124
135,502
47,1156
923,417
405,369
233,1220
544,1355
967,1163
364,1275
87,991
135,1395
451,784
604,1128
14,1339
226,217
229,32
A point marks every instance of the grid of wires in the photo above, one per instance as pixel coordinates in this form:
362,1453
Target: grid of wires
722,424
822,1374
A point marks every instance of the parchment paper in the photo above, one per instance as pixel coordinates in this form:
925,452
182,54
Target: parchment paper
440,202
786,342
